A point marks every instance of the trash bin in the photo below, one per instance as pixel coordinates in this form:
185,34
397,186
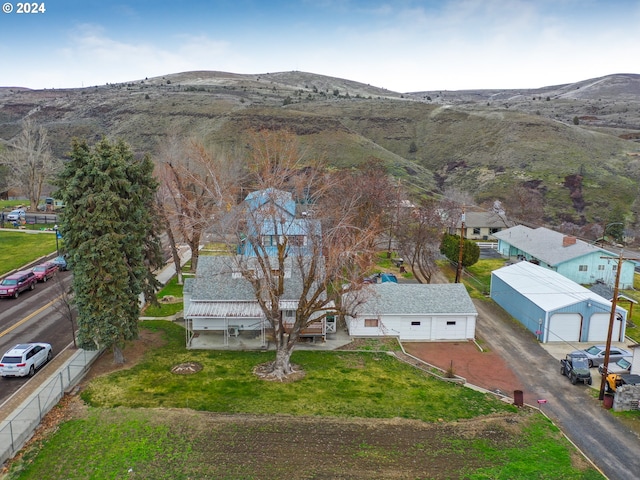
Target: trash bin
607,401
518,398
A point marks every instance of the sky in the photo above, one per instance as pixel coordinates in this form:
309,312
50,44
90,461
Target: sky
401,45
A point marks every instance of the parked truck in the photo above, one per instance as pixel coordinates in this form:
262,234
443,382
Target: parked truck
615,380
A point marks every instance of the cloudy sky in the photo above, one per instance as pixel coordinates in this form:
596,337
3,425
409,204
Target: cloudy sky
402,45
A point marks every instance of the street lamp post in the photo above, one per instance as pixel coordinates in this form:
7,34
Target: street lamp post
55,228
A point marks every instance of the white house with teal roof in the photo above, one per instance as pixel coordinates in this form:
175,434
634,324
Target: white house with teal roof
582,262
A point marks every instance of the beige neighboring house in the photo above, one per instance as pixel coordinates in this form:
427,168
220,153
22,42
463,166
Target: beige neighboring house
481,225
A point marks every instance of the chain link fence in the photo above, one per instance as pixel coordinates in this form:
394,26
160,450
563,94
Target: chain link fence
20,425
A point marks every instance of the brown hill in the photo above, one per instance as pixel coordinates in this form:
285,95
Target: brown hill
481,141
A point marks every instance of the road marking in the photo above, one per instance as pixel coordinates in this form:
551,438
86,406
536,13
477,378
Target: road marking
29,317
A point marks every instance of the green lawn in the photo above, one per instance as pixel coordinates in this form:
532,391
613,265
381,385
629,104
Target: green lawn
19,248
138,424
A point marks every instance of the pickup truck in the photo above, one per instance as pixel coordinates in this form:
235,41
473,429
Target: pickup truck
576,367
615,380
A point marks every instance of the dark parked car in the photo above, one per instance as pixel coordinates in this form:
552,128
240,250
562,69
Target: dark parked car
45,271
61,262
15,284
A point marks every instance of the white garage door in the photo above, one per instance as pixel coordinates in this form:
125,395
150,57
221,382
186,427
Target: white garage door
599,328
450,328
564,327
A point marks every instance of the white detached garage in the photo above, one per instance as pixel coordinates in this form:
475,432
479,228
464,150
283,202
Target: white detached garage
553,307
414,312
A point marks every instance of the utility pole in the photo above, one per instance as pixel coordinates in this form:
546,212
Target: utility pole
392,220
460,250
612,317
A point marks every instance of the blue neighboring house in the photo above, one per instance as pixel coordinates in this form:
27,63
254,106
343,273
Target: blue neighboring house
582,262
271,216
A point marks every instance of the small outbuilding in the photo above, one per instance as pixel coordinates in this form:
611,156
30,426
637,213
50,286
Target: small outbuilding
553,307
414,312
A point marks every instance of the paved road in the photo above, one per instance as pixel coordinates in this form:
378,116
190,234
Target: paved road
34,317
609,444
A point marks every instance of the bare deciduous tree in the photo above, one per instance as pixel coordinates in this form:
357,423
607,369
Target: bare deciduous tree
30,161
419,235
314,257
197,185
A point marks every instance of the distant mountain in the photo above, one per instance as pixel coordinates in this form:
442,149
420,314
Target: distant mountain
576,145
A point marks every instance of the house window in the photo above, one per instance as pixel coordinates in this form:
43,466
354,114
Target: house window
297,240
615,267
476,230
600,267
289,313
451,322
415,324
269,240
582,268
494,230
371,322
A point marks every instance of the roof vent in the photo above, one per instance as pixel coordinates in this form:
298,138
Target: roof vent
567,241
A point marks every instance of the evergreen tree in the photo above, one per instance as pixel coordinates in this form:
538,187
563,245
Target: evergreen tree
109,232
450,248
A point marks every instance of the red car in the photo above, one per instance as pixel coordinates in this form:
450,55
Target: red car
45,271
13,285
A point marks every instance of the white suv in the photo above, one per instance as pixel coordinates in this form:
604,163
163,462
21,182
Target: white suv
25,359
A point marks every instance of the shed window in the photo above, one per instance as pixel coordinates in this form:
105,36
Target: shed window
582,268
600,267
451,322
371,322
415,323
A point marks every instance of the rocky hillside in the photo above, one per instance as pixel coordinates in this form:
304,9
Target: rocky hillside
577,145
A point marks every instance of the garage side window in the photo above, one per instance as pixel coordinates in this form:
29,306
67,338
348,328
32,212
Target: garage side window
582,268
371,322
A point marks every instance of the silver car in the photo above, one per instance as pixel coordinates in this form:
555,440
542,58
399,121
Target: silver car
595,354
24,359
621,366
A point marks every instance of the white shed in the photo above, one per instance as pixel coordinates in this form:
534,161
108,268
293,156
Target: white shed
414,312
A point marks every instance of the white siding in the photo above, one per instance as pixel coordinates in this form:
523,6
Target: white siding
564,327
415,328
449,328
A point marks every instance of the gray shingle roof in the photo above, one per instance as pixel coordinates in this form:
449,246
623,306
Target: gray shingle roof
546,245
417,299
214,281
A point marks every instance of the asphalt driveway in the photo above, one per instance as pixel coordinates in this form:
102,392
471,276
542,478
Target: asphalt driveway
606,441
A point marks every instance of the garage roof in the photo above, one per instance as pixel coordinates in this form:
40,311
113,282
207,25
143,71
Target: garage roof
546,288
391,298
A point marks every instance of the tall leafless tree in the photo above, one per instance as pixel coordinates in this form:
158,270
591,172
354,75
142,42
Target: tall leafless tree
337,246
30,162
419,235
197,185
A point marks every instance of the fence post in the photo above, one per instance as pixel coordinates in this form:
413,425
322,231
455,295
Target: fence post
13,447
39,408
